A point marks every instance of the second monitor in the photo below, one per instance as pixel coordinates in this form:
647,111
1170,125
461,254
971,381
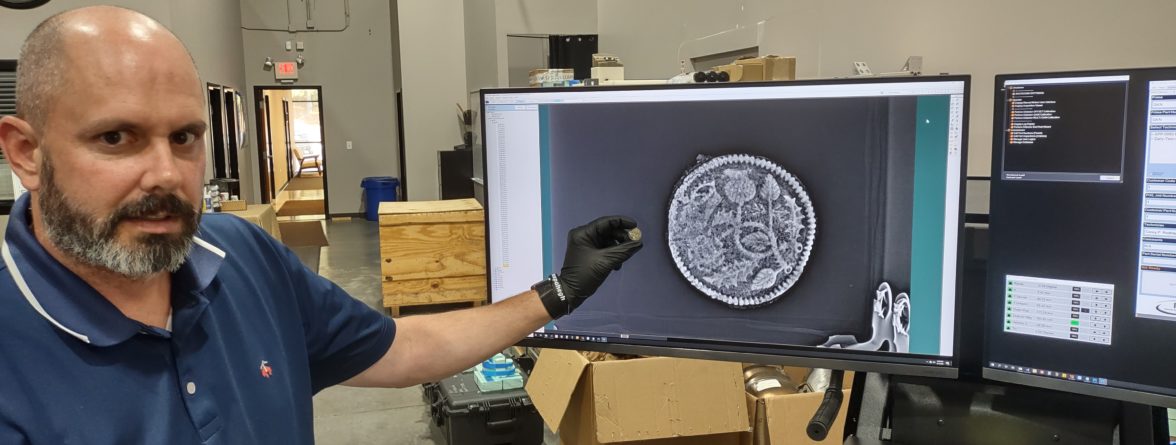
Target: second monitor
1082,269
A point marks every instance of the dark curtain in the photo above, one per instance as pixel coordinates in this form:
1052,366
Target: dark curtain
573,51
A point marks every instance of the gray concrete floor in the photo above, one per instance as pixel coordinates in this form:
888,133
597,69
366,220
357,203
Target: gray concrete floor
347,416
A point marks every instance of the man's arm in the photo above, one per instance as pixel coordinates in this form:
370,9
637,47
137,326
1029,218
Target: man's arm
428,348
431,347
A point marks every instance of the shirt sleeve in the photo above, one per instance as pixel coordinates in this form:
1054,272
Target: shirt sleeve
344,336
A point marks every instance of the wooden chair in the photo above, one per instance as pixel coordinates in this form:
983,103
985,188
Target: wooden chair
305,162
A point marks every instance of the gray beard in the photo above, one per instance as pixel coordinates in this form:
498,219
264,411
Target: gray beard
94,241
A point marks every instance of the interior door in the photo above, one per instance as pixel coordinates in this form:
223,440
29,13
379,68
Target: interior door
231,133
294,163
265,155
216,117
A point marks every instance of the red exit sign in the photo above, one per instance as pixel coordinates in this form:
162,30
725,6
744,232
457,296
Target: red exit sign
286,71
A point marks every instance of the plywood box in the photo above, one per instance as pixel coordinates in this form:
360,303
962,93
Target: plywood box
432,252
646,401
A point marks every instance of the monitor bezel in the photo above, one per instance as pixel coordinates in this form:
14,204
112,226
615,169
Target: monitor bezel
811,356
1000,375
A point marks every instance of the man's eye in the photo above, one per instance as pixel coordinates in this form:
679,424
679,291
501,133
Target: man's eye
182,138
112,137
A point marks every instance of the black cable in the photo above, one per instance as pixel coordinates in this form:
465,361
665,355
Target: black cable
818,427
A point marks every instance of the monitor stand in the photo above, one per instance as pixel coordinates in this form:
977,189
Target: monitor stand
896,410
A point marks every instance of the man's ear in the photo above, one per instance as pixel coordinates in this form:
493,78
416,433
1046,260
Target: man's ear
22,149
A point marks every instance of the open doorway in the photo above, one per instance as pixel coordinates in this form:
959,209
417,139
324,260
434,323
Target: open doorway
292,150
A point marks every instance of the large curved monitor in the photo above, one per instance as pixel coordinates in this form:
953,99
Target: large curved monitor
1082,260
811,223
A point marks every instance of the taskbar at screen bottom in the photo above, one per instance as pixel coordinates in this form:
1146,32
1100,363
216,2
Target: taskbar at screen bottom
832,358
1070,381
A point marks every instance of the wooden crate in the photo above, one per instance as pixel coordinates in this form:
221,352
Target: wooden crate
432,252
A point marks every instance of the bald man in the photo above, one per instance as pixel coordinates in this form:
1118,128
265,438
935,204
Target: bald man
128,318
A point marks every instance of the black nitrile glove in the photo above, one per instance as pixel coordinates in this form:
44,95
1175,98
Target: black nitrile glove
594,250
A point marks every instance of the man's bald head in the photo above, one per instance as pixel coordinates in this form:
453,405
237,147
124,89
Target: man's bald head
48,54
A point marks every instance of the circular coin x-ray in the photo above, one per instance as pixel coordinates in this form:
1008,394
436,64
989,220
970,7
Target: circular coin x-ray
741,229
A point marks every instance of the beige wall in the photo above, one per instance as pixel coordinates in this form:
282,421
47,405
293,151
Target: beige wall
540,17
15,24
481,42
353,67
209,28
488,22
432,58
978,38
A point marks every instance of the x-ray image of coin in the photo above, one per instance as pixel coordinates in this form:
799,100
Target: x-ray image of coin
741,229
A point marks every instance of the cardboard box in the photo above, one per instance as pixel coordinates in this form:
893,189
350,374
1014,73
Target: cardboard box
783,419
645,401
735,71
768,68
608,73
261,215
432,252
539,77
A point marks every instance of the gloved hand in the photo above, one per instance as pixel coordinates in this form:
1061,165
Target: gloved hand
594,250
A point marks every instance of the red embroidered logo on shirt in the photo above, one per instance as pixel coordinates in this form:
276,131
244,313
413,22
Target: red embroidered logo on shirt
266,370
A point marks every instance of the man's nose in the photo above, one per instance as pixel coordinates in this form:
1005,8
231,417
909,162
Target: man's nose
162,170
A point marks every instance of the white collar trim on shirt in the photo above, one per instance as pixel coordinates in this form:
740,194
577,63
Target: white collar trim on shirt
208,246
28,293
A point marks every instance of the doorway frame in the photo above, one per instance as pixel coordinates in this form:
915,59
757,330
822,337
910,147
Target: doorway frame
259,94
264,147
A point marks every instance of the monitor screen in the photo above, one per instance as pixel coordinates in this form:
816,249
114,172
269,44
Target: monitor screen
1082,259
812,223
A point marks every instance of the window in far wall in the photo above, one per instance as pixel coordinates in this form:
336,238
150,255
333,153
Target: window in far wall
304,124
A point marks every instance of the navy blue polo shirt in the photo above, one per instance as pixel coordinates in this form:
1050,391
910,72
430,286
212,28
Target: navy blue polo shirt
254,334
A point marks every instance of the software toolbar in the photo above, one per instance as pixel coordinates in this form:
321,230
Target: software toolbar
1049,373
